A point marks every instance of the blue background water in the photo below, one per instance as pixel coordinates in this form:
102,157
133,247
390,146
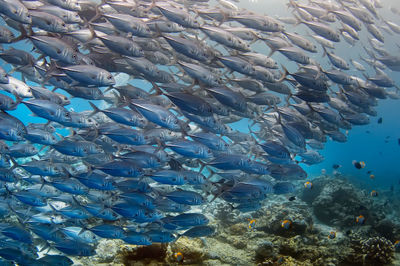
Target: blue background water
379,149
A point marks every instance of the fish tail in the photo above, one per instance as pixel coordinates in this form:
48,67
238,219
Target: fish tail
153,4
284,75
98,12
325,52
95,109
287,99
15,164
156,89
23,34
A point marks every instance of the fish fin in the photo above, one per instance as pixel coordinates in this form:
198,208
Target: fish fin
23,34
95,109
284,75
98,12
15,164
325,52
42,148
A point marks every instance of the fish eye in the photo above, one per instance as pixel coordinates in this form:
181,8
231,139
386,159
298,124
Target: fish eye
109,77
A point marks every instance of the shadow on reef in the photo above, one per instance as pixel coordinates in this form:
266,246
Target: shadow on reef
146,254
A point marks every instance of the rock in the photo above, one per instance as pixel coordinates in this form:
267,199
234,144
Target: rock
107,249
266,249
238,229
336,202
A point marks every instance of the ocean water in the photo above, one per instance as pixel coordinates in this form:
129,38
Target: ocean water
376,144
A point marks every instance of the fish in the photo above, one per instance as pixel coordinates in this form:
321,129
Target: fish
292,198
360,219
396,244
252,224
283,188
374,193
138,110
332,235
199,231
308,185
178,256
379,120
286,224
359,165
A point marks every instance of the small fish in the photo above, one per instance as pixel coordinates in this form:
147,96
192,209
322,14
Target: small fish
178,256
380,120
292,198
332,235
280,260
374,193
397,244
372,176
286,224
284,188
199,231
336,166
308,185
360,219
252,224
359,165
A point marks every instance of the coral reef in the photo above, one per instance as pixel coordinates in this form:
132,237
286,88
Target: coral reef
336,202
267,242
378,250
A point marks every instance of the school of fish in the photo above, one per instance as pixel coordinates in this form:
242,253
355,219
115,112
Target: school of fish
133,167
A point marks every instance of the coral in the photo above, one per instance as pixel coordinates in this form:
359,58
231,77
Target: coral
238,229
107,250
298,213
336,202
266,249
193,250
378,250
